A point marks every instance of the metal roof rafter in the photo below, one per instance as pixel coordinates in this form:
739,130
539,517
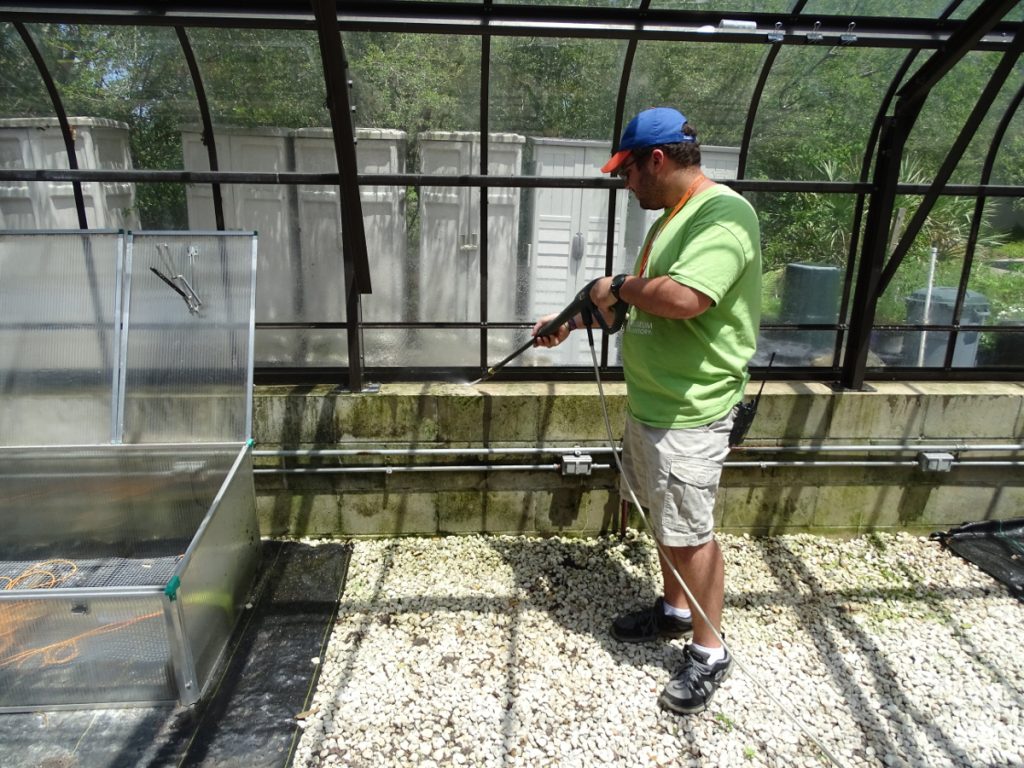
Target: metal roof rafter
62,118
353,236
519,20
204,115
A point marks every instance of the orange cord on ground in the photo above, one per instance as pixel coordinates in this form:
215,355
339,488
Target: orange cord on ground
48,577
19,619
64,651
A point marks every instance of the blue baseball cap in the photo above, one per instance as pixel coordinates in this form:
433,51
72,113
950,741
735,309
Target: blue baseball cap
661,125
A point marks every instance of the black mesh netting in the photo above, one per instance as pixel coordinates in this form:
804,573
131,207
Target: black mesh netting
995,546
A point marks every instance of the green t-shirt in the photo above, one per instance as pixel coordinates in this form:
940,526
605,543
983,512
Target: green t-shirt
685,373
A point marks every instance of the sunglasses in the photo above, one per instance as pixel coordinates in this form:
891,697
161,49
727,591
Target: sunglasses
623,172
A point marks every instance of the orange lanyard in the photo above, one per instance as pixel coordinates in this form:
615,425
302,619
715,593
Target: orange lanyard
664,222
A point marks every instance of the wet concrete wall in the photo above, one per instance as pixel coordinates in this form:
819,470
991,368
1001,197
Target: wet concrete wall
501,458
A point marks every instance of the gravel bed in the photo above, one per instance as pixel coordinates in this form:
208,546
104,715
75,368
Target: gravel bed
494,651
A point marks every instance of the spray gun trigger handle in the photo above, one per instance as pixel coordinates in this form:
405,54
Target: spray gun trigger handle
620,308
589,311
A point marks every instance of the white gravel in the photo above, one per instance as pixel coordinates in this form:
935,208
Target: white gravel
494,651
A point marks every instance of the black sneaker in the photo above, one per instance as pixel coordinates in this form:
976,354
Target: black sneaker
692,685
650,624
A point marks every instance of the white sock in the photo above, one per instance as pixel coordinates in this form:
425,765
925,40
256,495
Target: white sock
671,610
714,654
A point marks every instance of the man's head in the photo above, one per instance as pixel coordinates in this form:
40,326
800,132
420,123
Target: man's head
659,128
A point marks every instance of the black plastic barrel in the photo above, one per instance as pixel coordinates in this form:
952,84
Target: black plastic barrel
810,295
975,311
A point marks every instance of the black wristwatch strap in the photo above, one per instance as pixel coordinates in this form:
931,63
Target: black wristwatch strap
616,286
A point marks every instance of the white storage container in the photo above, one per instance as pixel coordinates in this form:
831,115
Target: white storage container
37,143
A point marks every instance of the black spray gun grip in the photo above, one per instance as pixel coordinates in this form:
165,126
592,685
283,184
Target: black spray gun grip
584,307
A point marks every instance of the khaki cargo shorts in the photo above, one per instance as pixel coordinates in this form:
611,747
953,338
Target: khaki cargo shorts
674,474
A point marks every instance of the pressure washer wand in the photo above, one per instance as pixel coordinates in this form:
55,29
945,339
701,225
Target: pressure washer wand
581,305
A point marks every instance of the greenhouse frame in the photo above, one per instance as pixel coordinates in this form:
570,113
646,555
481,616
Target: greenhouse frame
283,464
881,144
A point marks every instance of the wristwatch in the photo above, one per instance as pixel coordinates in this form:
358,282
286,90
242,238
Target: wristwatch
616,286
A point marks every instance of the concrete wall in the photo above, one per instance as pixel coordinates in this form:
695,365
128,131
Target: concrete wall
443,493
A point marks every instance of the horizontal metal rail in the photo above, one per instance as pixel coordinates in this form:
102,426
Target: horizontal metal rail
885,448
585,450
388,469
328,452
448,468
474,325
81,593
467,180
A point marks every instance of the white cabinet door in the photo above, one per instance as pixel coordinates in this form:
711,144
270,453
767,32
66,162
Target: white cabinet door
570,237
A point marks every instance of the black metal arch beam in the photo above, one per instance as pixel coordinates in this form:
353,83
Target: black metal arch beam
869,159
991,90
62,118
354,257
894,85
892,141
204,114
484,252
613,194
858,209
76,185
979,207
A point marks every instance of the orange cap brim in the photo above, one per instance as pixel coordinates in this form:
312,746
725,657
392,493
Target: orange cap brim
617,159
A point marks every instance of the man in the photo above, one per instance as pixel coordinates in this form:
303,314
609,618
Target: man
694,297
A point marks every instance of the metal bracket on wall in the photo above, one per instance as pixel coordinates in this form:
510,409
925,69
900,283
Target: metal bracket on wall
930,461
577,464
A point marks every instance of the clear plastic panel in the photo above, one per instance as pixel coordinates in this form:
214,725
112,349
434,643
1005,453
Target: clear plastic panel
920,8
814,119
188,357
218,569
318,290
58,336
301,226
413,82
382,347
93,536
25,94
935,305
548,86
426,347
997,273
135,502
75,651
948,106
710,83
738,6
260,78
1006,348
38,143
793,347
